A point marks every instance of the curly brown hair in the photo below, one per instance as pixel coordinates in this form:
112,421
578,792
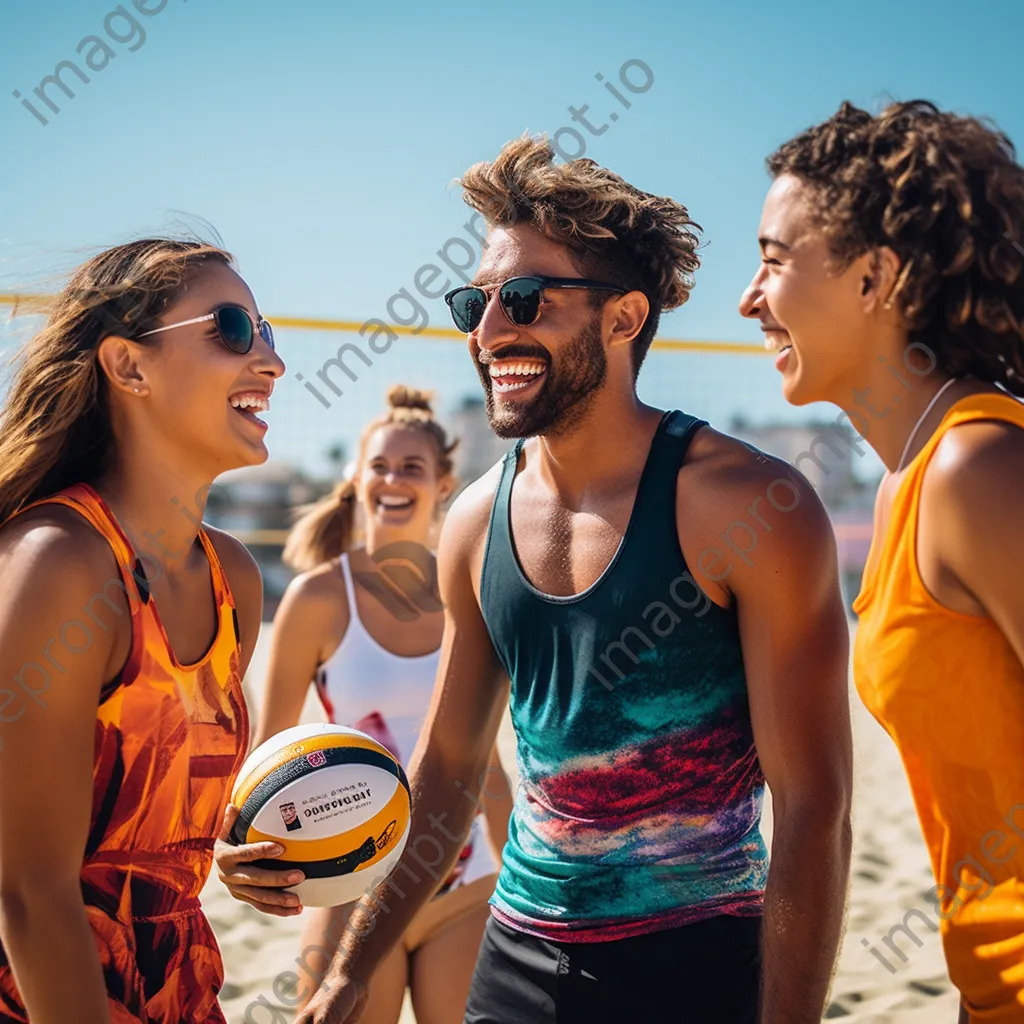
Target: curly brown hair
612,230
946,194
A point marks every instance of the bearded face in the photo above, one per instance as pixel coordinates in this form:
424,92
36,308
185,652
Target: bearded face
530,391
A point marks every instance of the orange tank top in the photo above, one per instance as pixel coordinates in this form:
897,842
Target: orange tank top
169,741
949,690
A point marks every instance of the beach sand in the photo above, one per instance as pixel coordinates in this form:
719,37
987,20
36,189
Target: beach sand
889,877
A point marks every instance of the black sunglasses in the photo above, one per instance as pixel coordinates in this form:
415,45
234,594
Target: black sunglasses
236,328
519,297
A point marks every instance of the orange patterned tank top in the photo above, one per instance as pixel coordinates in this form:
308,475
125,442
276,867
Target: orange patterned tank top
949,690
169,740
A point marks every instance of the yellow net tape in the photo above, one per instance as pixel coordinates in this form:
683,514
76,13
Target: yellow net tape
34,305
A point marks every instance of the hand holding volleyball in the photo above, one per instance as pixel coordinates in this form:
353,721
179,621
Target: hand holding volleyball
331,802
260,887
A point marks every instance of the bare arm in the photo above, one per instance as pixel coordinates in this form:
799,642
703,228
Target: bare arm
796,648
48,574
302,626
975,498
454,747
795,640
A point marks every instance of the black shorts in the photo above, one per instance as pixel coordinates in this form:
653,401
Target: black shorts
704,973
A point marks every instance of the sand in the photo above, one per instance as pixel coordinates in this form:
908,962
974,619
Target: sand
890,876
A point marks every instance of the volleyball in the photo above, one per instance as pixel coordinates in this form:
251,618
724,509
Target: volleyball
335,799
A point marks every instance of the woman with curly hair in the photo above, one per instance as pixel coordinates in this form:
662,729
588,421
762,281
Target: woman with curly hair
126,627
892,285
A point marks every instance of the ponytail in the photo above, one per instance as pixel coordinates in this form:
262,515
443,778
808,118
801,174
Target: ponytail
323,530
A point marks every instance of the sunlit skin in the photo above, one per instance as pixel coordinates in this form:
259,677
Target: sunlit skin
831,318
845,346
399,487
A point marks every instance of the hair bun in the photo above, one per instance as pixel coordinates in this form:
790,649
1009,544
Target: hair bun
402,397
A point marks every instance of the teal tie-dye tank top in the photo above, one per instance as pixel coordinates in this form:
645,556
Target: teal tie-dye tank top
640,798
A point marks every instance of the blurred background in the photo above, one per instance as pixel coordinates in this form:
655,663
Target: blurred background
321,142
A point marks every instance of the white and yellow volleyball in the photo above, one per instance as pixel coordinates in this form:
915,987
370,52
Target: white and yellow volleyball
335,799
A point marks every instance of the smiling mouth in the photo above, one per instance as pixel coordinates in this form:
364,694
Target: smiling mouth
511,375
248,405
392,503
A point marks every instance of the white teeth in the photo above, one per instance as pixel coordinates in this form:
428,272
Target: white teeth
519,369
391,501
258,403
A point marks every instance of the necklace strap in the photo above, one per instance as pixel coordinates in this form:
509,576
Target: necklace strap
917,426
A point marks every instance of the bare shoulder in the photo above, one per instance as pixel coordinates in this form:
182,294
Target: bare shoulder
465,526
54,567
977,474
241,568
318,589
989,453
733,500
55,541
738,475
460,553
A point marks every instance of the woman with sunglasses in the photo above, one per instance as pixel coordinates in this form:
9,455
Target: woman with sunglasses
363,622
126,627
892,285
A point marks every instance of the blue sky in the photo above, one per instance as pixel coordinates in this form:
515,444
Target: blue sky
322,144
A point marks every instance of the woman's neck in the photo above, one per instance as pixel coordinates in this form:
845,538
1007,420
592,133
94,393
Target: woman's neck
160,511
890,401
383,540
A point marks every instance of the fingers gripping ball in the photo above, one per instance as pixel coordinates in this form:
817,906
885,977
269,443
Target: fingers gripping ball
335,799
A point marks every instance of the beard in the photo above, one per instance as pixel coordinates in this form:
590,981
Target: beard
565,395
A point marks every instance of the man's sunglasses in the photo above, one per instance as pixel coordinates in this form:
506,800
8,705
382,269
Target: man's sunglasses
236,328
519,297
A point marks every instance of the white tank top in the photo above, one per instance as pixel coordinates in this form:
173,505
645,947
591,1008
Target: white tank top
365,687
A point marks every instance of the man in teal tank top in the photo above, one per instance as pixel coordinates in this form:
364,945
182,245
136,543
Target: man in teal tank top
660,604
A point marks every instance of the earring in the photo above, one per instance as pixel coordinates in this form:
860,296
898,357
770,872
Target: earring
136,390
887,305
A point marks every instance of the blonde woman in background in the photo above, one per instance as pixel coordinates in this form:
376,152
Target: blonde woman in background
363,624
